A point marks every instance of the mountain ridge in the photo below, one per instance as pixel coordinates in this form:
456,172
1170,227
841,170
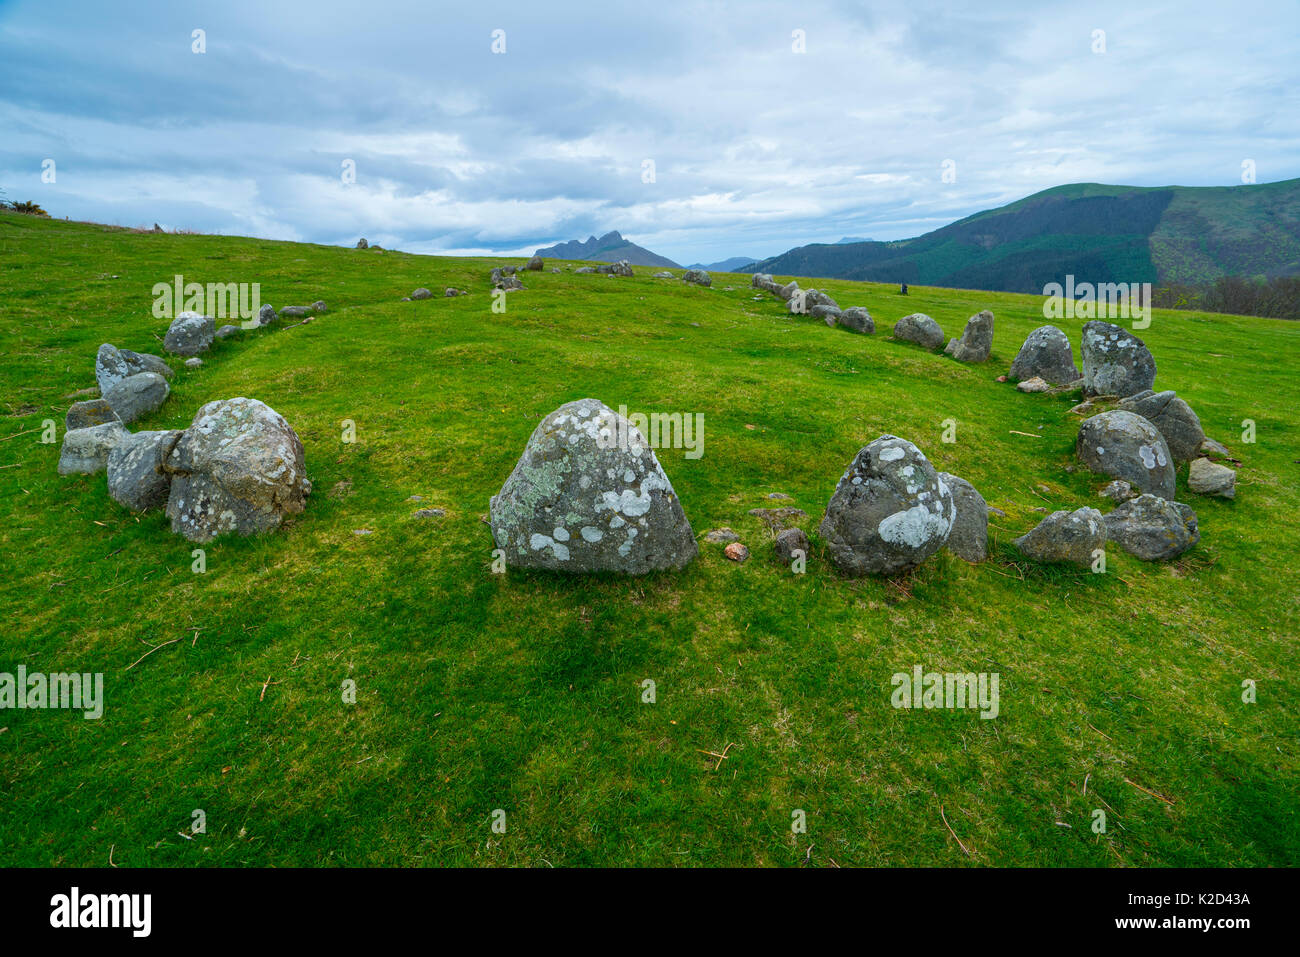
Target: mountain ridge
1097,232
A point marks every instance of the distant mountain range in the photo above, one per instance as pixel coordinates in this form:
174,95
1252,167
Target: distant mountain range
734,264
1162,235
609,248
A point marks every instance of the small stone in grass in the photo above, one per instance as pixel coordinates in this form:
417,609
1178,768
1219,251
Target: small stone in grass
736,552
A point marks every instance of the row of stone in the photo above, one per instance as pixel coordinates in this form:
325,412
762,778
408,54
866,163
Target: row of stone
588,495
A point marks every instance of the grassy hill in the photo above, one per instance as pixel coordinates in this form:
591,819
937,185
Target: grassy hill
523,692
1169,234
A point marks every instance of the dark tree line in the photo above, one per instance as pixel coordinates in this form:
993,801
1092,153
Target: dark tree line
1277,297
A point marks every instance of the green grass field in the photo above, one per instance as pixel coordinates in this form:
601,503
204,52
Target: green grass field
523,692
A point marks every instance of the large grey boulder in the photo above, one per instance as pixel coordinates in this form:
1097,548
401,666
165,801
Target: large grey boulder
190,334
1210,478
588,495
1152,528
828,314
362,244
919,328
1046,353
1126,446
1173,417
583,269
135,469
422,293
82,415
137,395
761,280
266,315
112,365
535,264
976,340
969,538
226,331
697,276
85,451
1063,536
857,319
620,268
238,468
890,511
787,291
1115,362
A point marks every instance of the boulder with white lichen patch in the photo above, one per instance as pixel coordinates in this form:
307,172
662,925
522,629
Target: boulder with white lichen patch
589,495
891,510
1126,446
1115,362
239,468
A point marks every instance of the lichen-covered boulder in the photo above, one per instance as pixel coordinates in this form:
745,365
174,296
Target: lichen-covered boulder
697,276
238,468
620,268
588,495
535,264
137,395
266,315
762,280
976,340
969,538
112,365
1115,362
82,415
85,451
422,293
1152,528
135,469
1071,537
787,291
1046,353
857,319
919,328
189,334
890,511
1126,446
1173,417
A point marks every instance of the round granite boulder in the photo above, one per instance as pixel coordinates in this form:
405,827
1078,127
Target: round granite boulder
1126,446
137,395
921,329
239,468
1152,528
857,319
890,511
589,495
1067,537
190,334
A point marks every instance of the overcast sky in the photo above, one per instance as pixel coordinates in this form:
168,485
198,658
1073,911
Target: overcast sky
755,147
